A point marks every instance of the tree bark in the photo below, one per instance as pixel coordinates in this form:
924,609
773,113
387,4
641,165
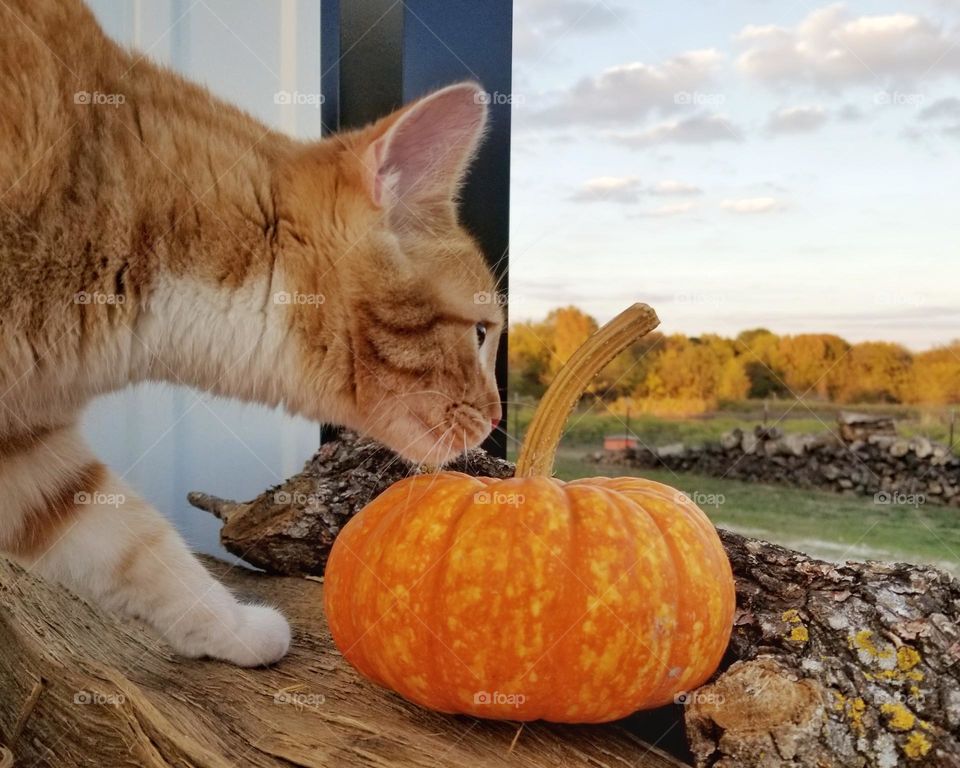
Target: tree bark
846,665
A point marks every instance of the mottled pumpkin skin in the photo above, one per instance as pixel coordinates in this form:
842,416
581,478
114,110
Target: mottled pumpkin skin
570,602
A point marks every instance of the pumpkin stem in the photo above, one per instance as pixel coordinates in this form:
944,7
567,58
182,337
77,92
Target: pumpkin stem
543,436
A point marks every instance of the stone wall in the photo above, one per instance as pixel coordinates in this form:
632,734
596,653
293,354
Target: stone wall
895,470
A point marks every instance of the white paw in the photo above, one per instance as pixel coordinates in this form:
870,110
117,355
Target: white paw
261,637
245,635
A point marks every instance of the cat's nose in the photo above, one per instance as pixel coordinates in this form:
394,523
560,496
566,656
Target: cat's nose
494,423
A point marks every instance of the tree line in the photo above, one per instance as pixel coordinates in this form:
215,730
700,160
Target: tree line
698,373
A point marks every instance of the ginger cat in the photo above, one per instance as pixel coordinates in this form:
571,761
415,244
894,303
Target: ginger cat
149,231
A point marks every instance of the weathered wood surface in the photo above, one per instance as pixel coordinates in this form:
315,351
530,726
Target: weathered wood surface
78,688
853,665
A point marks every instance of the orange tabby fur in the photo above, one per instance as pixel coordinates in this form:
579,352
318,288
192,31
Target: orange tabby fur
149,231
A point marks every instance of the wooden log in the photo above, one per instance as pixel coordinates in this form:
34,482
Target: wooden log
80,688
852,665
847,665
289,528
860,426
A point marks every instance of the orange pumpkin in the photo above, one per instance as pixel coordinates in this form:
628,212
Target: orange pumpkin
530,598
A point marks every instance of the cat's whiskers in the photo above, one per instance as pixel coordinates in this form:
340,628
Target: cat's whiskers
434,470
385,413
426,392
399,456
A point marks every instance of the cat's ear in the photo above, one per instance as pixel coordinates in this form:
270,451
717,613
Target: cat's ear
420,155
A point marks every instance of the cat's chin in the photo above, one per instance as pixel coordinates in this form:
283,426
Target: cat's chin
429,448
433,451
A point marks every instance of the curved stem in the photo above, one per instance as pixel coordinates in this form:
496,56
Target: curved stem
543,436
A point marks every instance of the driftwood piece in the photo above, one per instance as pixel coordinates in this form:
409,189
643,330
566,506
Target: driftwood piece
829,665
79,688
289,529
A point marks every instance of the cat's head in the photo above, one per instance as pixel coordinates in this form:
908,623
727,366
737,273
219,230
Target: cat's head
400,340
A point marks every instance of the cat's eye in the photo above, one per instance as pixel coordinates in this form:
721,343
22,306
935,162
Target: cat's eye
481,334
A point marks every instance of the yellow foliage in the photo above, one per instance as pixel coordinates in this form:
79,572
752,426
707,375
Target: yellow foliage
679,371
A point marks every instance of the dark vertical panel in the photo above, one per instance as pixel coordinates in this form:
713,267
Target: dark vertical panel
385,53
371,64
330,53
330,64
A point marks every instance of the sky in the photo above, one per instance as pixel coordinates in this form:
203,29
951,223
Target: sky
790,165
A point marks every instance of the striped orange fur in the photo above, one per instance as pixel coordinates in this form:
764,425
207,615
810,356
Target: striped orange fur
150,231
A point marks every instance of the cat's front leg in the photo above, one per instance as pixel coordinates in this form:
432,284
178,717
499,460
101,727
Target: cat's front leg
71,520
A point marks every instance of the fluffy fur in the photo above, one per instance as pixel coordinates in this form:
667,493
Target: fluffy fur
148,231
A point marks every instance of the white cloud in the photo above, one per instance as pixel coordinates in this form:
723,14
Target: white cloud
614,189
947,108
672,209
629,92
540,25
628,189
942,117
797,120
832,48
752,205
850,113
699,129
672,188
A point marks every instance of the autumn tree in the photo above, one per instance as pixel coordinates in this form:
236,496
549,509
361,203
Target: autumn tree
569,328
935,376
537,350
703,368
630,368
760,350
756,364
874,372
528,356
810,362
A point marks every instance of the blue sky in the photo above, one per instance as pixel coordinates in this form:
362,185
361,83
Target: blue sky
792,165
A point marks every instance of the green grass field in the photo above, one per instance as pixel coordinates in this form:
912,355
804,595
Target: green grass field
827,525
591,422
832,526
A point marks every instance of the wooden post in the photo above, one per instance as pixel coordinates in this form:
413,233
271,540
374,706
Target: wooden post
516,425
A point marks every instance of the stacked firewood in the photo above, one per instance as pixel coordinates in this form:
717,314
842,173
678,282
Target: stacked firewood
855,459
